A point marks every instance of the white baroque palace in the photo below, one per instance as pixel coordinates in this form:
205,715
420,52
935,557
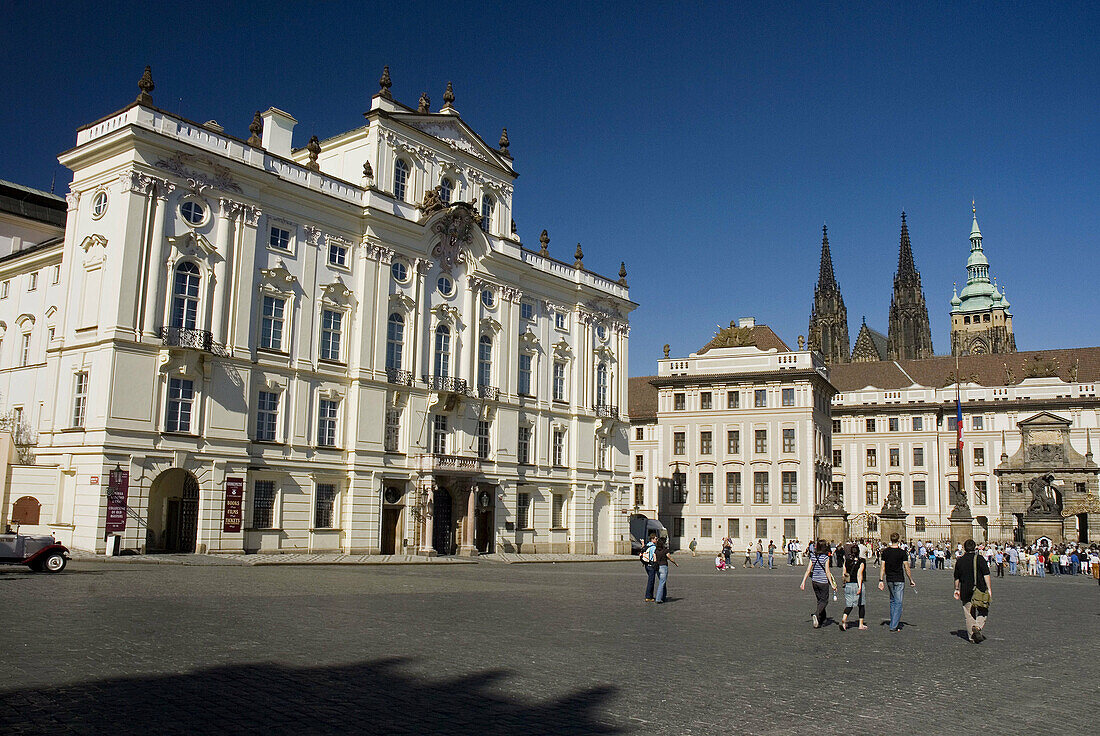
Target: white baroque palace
372,374
733,440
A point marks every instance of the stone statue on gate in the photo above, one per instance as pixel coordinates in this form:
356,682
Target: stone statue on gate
1044,497
892,505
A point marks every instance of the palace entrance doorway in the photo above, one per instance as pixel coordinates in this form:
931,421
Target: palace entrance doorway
442,522
173,519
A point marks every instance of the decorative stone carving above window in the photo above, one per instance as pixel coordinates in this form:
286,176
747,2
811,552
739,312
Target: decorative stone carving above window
278,278
337,293
193,244
95,250
490,326
179,163
602,352
529,342
562,350
447,314
401,303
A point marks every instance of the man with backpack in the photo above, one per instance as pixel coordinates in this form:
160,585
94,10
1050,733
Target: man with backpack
648,557
973,589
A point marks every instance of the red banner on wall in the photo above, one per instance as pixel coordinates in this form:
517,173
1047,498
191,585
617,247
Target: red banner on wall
234,497
118,486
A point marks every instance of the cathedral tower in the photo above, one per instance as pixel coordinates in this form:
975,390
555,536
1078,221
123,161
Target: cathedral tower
910,335
980,320
828,333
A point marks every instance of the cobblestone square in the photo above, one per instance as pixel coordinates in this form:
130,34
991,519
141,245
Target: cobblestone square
527,648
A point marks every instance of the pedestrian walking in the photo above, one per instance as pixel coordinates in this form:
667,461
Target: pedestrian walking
727,550
771,554
748,555
999,558
974,589
759,553
692,545
895,569
664,556
822,578
855,577
648,557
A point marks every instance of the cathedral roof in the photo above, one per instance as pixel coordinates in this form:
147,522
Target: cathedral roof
869,343
1070,365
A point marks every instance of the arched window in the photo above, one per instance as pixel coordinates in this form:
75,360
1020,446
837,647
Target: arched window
185,296
400,178
395,341
442,351
484,361
601,384
446,190
488,204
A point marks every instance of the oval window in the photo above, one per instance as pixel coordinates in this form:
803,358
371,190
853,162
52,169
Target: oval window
399,271
193,212
445,285
99,204
487,298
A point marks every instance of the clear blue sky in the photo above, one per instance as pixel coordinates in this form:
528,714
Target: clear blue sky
703,146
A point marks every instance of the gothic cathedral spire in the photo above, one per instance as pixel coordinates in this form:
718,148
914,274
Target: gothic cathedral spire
910,335
828,333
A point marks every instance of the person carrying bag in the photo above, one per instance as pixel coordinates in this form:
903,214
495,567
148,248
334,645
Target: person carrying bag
974,589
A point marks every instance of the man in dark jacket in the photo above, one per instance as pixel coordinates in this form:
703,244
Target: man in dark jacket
972,571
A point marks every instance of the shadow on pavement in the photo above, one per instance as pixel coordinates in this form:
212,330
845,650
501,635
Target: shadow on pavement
371,697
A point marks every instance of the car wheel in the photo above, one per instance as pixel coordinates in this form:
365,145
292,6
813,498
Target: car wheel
54,562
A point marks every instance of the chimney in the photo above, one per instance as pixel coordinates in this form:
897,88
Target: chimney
747,322
278,131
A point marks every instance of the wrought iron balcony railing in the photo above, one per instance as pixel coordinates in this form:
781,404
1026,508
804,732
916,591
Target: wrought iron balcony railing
484,391
606,410
185,337
446,383
401,378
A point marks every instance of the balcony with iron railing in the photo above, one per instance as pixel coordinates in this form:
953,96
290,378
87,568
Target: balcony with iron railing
399,377
606,410
185,337
446,384
485,391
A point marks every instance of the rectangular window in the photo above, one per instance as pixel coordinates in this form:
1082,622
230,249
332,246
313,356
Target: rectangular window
952,423
523,446
326,423
80,397
679,443
267,416
918,424
279,239
981,493
325,506
706,400
918,457
181,395
57,274
836,426
263,504
761,440
789,487
32,283
332,326
271,323
1079,487
439,434
559,381
920,495
977,423
790,528
483,439
838,458
788,440
760,487
733,487
559,321
733,528
979,457
838,489
639,495
788,397
733,441
872,458
953,457
706,487
523,508
557,511
762,528
895,457
872,493
678,402
893,424
639,463
639,433
5,287
733,399
678,526
679,488
524,374
526,310
705,528
870,424
25,350
337,254
393,430
559,448
761,397
706,443
919,524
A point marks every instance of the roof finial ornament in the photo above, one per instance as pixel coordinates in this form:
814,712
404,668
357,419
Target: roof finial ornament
145,84
425,103
368,172
579,256
449,97
666,348
504,142
314,148
622,273
865,320
384,84
973,208
544,241
256,128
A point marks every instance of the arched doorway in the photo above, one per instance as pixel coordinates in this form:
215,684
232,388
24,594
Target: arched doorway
485,514
442,522
26,510
601,524
173,518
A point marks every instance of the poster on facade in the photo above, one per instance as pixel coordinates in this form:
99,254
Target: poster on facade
118,486
234,495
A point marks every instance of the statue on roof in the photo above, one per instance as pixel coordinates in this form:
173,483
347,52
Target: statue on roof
433,201
732,337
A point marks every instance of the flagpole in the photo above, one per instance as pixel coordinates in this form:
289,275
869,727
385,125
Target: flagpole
958,429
